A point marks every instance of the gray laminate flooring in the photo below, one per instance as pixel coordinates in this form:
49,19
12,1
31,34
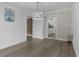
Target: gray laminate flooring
41,48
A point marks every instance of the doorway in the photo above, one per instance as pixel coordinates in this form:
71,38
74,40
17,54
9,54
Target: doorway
29,27
52,26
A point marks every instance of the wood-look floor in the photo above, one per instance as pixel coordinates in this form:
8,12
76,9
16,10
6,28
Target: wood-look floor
42,48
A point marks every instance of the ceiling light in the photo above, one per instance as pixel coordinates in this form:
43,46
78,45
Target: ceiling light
37,13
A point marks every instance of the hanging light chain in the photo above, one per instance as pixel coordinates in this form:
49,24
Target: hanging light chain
37,4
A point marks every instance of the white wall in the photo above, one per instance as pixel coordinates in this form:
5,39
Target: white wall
12,32
40,27
37,28
75,27
63,23
45,27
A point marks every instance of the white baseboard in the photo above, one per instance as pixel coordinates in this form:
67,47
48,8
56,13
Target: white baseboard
29,34
59,39
9,45
38,37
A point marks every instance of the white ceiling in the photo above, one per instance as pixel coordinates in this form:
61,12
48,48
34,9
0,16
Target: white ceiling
44,6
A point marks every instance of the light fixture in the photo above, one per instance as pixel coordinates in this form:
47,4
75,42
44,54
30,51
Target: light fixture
37,13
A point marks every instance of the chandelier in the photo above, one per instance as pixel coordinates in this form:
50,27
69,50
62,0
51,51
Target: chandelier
37,13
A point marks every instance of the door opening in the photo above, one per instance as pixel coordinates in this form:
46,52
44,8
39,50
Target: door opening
29,27
52,26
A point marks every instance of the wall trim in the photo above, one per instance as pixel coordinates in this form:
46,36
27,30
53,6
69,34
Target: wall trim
13,44
38,38
29,34
59,39
74,49
60,10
